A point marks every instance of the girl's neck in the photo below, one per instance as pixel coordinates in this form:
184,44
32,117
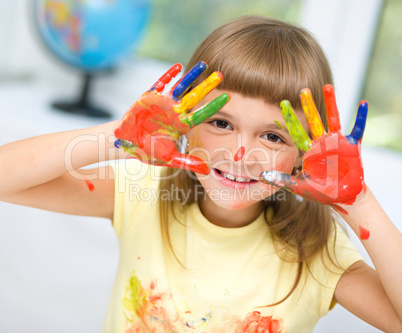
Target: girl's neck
229,218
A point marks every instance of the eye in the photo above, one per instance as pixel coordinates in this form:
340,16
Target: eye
272,137
221,124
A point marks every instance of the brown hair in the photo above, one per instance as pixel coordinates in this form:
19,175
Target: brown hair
272,60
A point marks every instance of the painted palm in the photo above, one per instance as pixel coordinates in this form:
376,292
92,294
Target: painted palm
332,170
150,129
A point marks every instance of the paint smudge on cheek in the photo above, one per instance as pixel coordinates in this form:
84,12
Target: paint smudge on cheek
91,186
364,233
240,153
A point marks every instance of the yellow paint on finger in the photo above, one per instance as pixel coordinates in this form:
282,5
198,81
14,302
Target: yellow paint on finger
312,115
198,93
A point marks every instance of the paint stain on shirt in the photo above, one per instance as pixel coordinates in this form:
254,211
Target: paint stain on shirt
255,322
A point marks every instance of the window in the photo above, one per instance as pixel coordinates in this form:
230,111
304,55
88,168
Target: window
177,27
383,85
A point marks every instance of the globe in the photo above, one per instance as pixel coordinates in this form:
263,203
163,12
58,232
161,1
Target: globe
91,35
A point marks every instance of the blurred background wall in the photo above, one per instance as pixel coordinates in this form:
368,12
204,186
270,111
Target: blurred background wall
56,271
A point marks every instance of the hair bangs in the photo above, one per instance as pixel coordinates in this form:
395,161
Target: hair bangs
282,61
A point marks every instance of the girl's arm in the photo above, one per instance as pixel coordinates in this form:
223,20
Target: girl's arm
333,174
374,295
44,171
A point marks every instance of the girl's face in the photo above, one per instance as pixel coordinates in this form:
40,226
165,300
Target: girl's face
246,137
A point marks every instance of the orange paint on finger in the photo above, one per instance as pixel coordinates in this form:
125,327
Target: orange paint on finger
364,233
90,185
311,112
240,153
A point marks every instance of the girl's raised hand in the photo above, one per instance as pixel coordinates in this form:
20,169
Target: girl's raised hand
150,129
332,170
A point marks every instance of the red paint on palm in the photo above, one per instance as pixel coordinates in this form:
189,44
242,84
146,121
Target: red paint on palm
151,113
153,127
332,171
150,129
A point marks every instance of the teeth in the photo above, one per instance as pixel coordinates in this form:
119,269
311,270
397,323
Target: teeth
242,180
226,175
237,179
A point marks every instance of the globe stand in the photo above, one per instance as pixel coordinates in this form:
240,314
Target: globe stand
83,106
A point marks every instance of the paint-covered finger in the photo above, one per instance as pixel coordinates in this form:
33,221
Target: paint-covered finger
120,143
167,77
312,115
358,129
334,124
199,92
296,130
188,162
193,74
207,110
279,179
127,147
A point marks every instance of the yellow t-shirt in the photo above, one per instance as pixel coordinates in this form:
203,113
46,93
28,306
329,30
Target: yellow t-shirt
227,276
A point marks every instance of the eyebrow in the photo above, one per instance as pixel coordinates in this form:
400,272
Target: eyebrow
277,127
272,126
225,114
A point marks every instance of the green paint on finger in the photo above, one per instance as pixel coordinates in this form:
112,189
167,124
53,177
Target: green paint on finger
208,110
296,130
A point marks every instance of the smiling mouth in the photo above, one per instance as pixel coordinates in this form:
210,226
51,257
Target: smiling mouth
236,179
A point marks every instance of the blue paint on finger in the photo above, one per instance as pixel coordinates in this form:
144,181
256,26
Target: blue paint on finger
188,79
117,143
358,129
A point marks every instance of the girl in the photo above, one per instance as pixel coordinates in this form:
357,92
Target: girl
226,248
